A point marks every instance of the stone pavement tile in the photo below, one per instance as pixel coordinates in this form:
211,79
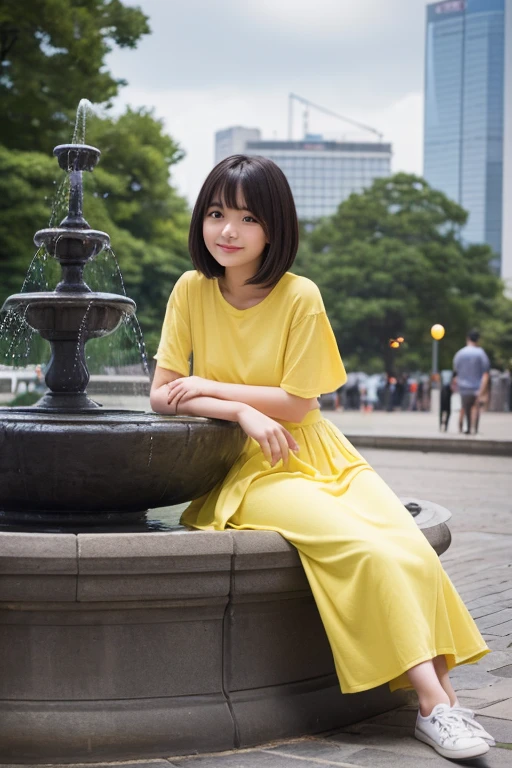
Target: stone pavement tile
499,728
476,703
487,591
505,671
495,619
318,749
471,592
502,630
469,583
485,672
500,689
254,758
403,718
502,709
497,643
488,609
388,738
150,763
498,658
486,601
471,676
495,758
377,758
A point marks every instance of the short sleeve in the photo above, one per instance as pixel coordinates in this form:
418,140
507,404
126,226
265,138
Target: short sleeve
312,363
486,363
175,347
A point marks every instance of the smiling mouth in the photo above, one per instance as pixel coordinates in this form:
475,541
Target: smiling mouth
229,247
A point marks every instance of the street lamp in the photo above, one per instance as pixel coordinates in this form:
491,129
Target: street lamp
437,332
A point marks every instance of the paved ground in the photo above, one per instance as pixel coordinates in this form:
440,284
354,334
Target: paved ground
419,431
493,426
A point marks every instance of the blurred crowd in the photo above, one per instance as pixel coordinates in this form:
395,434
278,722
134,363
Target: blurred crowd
406,392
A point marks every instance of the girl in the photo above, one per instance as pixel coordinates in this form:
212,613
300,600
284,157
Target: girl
263,351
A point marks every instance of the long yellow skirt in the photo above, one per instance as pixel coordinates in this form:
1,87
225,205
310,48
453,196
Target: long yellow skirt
385,601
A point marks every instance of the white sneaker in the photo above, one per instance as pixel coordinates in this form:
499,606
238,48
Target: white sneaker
448,734
468,716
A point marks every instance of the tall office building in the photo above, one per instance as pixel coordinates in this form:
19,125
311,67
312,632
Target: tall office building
232,141
506,242
321,173
465,114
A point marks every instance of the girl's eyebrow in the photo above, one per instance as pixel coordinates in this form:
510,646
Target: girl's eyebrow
217,204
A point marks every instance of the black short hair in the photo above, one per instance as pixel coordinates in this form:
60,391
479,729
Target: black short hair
473,335
268,196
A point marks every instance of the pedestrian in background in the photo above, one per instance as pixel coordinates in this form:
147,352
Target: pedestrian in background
472,366
448,386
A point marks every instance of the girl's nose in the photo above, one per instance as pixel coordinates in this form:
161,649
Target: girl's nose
229,230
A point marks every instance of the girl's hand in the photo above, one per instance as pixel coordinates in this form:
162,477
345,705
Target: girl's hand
183,389
275,441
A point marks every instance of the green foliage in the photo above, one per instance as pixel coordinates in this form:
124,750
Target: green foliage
496,332
52,55
26,398
27,184
390,263
129,196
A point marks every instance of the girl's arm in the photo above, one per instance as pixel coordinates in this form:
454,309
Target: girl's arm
272,401
274,440
210,407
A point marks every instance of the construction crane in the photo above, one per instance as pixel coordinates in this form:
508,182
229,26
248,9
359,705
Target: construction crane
307,104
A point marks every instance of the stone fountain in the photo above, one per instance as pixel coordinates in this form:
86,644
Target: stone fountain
65,443
118,641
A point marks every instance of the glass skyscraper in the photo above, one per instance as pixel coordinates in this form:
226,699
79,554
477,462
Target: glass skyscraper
464,111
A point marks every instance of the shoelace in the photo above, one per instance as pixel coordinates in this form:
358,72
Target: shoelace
451,726
468,717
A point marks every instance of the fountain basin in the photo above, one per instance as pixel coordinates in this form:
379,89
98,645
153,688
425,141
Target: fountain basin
77,157
107,466
130,646
72,244
69,315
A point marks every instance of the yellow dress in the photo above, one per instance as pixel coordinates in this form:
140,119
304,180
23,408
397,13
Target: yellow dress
384,598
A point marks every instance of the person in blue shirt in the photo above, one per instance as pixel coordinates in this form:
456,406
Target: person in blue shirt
471,365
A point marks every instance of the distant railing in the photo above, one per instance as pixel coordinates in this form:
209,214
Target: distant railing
17,381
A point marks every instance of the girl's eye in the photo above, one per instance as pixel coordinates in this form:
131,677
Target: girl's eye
215,215
251,219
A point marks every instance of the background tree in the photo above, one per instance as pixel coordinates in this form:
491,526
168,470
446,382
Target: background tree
128,195
52,55
496,332
390,263
146,219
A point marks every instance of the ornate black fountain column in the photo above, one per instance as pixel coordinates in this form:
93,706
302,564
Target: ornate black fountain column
72,314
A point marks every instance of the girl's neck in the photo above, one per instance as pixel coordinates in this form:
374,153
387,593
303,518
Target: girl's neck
234,289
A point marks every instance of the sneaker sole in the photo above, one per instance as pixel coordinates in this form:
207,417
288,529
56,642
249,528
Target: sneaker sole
454,754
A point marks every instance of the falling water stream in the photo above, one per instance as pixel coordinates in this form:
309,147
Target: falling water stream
120,352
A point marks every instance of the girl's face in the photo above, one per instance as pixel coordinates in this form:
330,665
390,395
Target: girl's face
233,237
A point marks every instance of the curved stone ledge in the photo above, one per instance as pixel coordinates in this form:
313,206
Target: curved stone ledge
118,646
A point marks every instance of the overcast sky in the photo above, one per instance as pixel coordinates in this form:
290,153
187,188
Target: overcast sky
211,64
